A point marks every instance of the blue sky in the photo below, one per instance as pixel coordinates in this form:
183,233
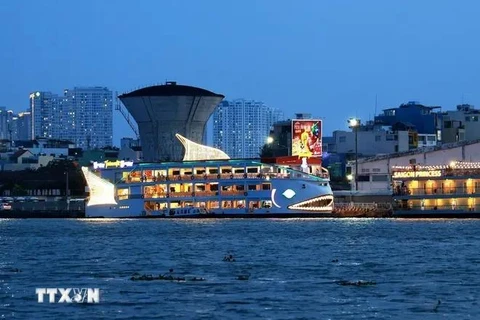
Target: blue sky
328,58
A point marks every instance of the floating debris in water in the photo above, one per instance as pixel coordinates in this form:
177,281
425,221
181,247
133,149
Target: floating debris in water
198,279
435,309
358,283
9,269
335,260
150,277
229,258
243,277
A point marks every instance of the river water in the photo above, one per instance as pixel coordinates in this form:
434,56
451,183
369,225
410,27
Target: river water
291,269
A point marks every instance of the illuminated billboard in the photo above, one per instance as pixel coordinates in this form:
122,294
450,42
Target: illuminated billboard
307,138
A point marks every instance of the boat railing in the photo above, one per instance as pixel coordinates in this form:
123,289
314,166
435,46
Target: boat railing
225,176
180,194
363,205
232,192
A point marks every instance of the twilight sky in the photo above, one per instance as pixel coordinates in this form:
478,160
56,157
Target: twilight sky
329,58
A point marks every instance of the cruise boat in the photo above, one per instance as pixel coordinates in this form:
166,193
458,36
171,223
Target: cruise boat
218,187
451,190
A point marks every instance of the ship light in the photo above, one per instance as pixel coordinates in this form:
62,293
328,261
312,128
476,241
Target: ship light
195,151
101,191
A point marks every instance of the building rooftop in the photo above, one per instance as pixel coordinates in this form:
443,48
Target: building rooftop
444,146
170,89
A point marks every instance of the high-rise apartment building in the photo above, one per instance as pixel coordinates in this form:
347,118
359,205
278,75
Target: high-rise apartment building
22,124
15,126
84,115
87,117
7,130
44,108
241,127
4,123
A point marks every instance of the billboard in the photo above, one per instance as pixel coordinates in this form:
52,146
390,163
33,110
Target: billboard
307,138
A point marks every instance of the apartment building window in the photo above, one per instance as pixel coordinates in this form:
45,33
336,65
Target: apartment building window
379,177
342,139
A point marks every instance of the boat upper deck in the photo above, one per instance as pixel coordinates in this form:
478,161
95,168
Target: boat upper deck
129,172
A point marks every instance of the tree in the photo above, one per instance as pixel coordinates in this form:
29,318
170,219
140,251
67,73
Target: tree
266,151
18,190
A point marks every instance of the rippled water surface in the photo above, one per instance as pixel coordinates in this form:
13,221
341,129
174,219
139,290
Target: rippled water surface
421,269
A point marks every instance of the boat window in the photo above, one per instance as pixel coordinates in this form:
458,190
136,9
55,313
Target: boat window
213,170
266,204
199,187
148,175
252,187
212,204
239,204
239,170
255,204
122,194
226,170
200,170
187,171
174,204
227,204
135,176
266,186
159,173
252,170
213,186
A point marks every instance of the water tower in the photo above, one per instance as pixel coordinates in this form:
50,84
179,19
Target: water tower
164,110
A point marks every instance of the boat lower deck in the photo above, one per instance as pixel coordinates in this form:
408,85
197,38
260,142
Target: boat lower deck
237,216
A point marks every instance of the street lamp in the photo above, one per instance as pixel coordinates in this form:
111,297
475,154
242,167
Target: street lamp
354,123
277,147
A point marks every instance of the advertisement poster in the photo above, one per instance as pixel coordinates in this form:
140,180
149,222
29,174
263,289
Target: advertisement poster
307,138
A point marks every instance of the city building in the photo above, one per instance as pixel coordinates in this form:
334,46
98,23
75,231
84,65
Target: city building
241,127
84,115
281,135
374,173
45,110
15,126
372,142
21,126
423,119
461,124
6,127
162,111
